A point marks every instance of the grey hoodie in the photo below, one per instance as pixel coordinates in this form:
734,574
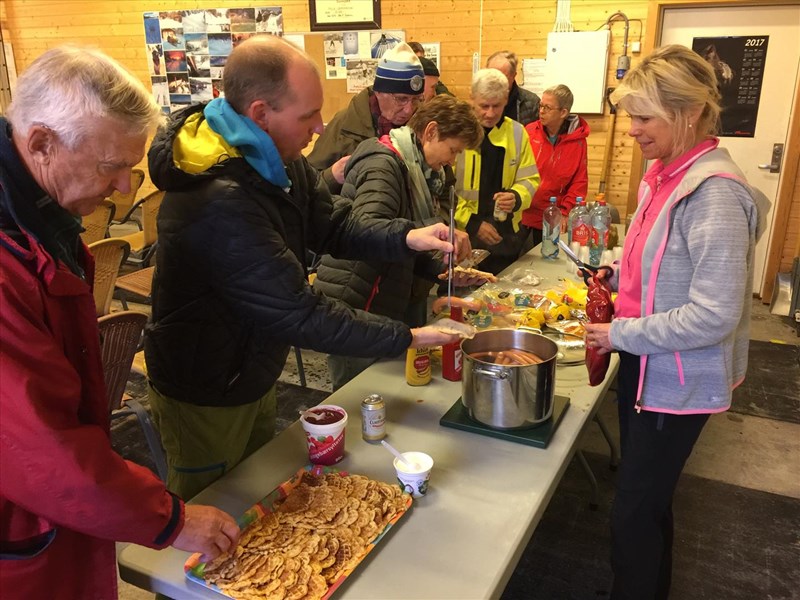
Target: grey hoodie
697,284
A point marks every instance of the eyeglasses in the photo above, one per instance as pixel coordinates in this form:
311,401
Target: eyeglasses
546,108
406,100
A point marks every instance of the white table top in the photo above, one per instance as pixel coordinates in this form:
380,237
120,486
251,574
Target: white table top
461,541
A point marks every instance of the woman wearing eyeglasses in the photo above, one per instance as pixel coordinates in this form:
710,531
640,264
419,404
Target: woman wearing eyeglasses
398,175
558,140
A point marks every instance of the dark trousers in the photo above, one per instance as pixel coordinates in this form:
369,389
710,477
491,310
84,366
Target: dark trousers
655,447
532,239
501,255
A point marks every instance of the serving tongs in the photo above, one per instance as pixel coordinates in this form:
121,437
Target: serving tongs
451,237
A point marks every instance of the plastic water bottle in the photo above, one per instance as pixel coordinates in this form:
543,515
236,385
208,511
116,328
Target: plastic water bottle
601,222
551,230
578,223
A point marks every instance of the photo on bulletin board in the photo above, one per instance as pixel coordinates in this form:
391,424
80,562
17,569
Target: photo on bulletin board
432,52
196,43
156,62
335,67
381,41
738,63
160,89
332,44
269,20
360,74
198,65
193,21
350,43
191,48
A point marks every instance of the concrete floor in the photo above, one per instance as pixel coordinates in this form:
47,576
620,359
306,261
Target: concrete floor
770,460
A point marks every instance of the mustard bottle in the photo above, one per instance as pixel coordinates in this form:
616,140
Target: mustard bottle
418,366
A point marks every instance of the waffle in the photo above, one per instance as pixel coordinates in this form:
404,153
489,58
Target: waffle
320,530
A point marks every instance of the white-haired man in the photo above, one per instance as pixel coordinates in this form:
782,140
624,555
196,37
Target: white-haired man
76,127
242,206
522,105
499,178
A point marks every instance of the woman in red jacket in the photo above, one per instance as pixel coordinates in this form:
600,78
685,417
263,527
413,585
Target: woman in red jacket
558,140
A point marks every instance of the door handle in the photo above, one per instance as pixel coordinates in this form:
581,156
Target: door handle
775,164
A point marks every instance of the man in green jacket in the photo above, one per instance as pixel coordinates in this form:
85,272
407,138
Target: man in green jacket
373,112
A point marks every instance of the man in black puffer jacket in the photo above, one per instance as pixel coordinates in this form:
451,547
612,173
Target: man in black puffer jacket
230,294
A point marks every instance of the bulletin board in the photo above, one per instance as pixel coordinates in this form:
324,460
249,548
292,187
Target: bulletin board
187,51
335,90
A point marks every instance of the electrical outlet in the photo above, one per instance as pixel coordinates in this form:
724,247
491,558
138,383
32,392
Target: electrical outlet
636,47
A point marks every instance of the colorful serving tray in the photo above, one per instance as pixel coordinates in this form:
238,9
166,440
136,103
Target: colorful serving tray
194,568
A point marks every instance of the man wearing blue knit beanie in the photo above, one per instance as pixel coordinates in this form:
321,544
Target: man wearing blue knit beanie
388,103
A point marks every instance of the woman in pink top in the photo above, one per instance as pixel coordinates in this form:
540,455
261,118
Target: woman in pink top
682,313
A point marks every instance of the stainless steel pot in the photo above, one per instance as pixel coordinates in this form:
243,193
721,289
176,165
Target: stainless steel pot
508,396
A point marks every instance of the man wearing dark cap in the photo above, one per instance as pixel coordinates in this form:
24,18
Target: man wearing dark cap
522,105
433,87
388,103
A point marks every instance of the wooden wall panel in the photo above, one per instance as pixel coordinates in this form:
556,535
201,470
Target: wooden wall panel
115,26
460,26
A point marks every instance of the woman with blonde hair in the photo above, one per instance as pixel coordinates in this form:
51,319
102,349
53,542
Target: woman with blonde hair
685,284
398,175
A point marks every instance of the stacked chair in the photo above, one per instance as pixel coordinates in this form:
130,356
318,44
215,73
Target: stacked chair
143,246
125,204
120,338
121,333
143,242
109,254
96,224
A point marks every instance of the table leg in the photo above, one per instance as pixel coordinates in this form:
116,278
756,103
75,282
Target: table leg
594,503
615,457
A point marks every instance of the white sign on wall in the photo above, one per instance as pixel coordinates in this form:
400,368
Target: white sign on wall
579,60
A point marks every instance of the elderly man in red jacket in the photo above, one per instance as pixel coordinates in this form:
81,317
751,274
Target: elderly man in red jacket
78,124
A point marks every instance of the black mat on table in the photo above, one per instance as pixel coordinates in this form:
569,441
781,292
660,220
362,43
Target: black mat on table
730,542
128,440
771,388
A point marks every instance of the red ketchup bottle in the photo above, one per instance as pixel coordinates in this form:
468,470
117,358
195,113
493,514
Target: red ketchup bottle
451,353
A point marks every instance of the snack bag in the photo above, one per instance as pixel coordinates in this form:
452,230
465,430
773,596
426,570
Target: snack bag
599,309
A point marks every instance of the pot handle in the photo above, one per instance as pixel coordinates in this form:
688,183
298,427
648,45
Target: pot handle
501,374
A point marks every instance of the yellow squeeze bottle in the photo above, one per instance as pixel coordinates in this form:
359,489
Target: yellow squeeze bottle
418,366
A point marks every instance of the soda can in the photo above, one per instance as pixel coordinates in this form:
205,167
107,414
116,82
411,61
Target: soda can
373,418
